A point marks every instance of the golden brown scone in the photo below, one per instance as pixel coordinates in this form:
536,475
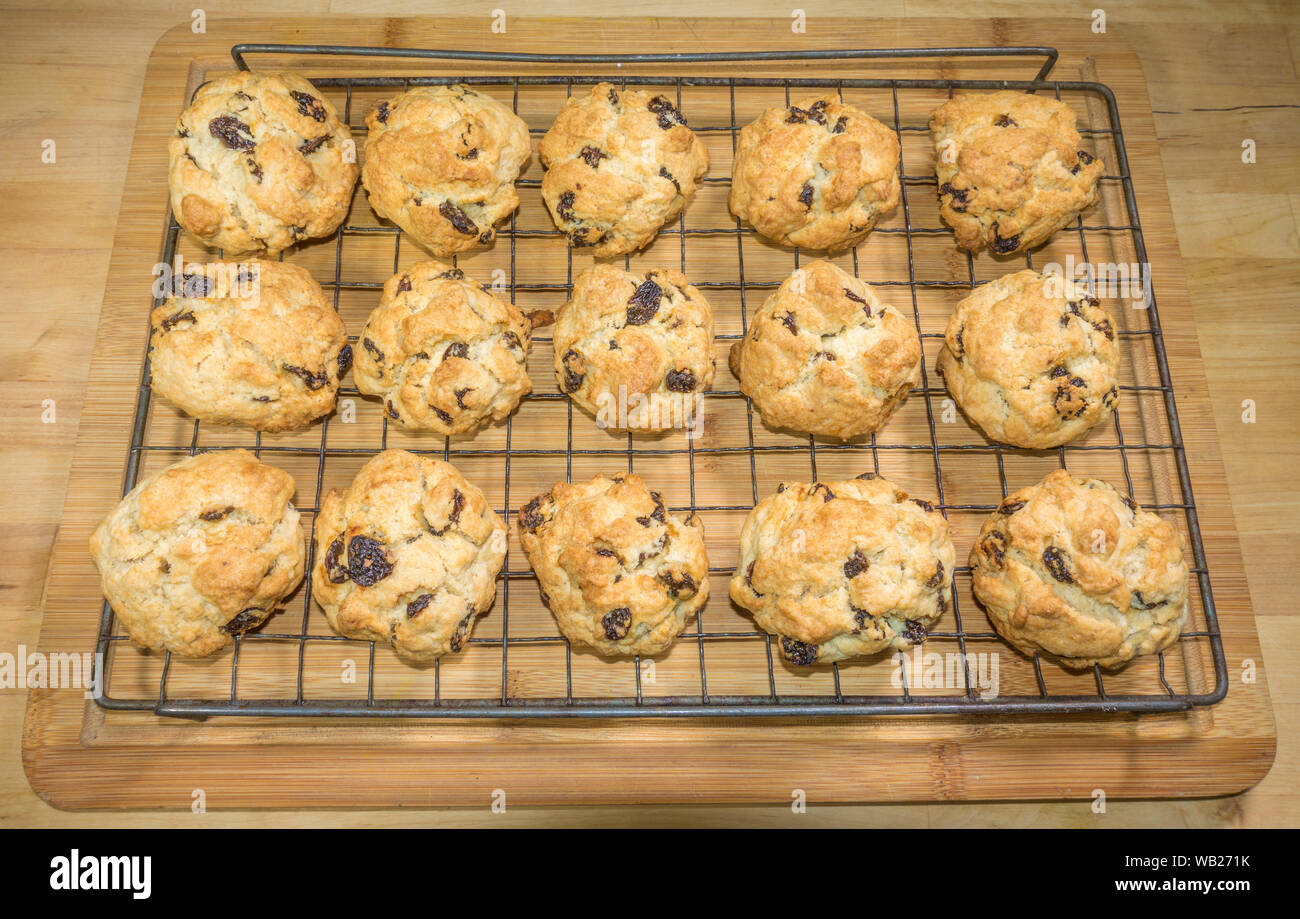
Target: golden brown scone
1032,360
620,164
823,355
844,569
260,161
408,555
1010,169
441,163
818,174
442,352
635,348
255,343
201,551
620,573
1073,569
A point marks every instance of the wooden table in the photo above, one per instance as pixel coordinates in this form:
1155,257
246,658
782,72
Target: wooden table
1254,249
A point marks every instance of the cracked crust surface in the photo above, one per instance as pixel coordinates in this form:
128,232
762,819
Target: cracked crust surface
407,555
824,356
1031,359
1074,569
260,161
1010,168
620,164
620,573
441,163
255,343
442,352
643,337
844,569
201,551
818,174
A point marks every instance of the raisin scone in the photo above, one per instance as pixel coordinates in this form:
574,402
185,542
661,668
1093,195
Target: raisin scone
442,352
818,174
255,343
1010,168
1072,568
619,165
635,348
441,163
1031,359
200,552
620,573
824,356
844,569
408,555
260,161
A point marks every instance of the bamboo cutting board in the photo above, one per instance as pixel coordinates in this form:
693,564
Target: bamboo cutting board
77,755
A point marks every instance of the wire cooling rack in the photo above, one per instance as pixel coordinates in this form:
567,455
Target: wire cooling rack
516,665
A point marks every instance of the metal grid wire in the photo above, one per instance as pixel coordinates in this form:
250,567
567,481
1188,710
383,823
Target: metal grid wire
1161,696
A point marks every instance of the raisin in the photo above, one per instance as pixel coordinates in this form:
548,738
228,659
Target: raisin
457,505
313,381
959,196
816,112
789,323
176,319
181,132
1058,563
644,303
216,513
392,411
416,606
607,553
820,487
616,623
923,504
1008,508
937,578
913,631
825,355
460,396
867,476
308,105
345,359
443,416
994,546
1139,602
1005,121
471,155
308,147
456,349
613,97
678,587
613,345
866,307
367,561
458,219
1058,371
530,515
1129,503
1003,245
335,570
1104,327
592,156
248,619
798,652
382,113
680,381
194,286
806,194
230,131
458,637
373,350
665,174
961,343
255,169
405,284
840,124
573,378
512,340
667,112
749,579
856,564
1084,157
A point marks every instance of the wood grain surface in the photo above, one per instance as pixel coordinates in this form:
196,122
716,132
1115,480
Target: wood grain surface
966,769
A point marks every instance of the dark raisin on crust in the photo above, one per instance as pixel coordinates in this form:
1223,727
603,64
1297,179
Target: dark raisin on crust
818,486
668,114
958,195
344,359
680,381
679,587
913,631
1140,602
937,578
460,396
866,307
456,349
308,105
367,561
1058,371
815,112
867,476
382,113
192,286
1002,245
1007,508
335,570
392,410
840,124
923,504
404,284
248,619
511,340
230,131
1058,564
471,154
416,606
961,343
530,516
313,381
1084,157
457,640
458,219
373,350
592,156
255,169
1104,327
806,194
457,505
453,274
1129,503
573,377
176,319
665,174
1005,121
217,513
443,416
308,147
564,207
616,623
798,652
644,302
788,321
749,579
994,547
856,564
